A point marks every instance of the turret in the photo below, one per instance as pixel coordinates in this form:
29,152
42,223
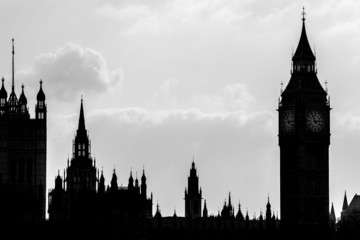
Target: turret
239,215
40,108
143,185
158,212
23,101
3,98
101,187
205,211
345,206
332,217
193,195
58,182
114,184
261,220
268,214
131,182
137,188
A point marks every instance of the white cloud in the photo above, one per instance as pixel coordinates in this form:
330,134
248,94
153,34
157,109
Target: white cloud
73,70
133,18
234,97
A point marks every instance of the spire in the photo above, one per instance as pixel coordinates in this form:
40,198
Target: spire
131,181
345,203
143,178
205,211
239,215
158,212
332,213
13,67
229,203
13,101
114,185
81,118
303,51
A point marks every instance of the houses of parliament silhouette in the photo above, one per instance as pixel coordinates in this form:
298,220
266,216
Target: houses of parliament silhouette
82,204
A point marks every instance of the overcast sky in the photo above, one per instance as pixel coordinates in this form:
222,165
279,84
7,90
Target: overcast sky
166,80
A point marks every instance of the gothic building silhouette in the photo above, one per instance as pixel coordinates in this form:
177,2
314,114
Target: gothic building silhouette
22,155
304,139
80,196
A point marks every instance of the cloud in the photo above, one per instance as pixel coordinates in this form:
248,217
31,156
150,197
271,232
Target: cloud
234,97
133,18
73,70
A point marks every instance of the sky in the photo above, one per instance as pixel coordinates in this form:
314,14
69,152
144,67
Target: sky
168,81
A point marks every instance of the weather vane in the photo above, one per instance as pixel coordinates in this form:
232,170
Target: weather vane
303,14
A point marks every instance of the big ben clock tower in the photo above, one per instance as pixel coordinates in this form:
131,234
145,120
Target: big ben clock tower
304,139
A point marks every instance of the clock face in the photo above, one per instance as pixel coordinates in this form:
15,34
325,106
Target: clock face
288,121
315,121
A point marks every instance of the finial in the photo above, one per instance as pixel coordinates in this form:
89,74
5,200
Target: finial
326,87
58,172
22,86
281,87
81,98
303,14
3,79
41,82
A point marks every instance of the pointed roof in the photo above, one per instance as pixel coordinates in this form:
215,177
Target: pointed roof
143,178
102,178
345,203
3,93
332,213
81,126
158,212
303,51
22,98
41,95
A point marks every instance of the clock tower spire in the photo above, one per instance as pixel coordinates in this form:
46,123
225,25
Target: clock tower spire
304,139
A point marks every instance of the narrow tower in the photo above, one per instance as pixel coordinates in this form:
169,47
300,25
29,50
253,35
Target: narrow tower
304,139
193,195
81,174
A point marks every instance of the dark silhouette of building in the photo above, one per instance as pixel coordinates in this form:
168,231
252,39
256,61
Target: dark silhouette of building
227,211
83,196
22,156
193,195
304,139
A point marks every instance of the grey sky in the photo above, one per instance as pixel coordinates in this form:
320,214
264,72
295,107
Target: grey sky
165,80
